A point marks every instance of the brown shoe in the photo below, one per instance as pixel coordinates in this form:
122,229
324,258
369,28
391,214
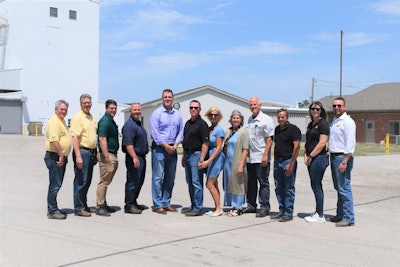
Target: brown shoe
262,213
161,211
83,213
344,224
91,210
133,210
170,209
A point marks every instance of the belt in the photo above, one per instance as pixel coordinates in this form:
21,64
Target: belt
336,154
141,155
93,150
115,153
283,158
191,151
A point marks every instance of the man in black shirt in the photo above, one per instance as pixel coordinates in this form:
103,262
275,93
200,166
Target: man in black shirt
287,145
195,146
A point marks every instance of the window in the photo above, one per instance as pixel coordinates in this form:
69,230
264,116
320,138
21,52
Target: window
53,12
394,127
72,14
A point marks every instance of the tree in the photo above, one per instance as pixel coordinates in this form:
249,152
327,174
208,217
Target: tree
303,104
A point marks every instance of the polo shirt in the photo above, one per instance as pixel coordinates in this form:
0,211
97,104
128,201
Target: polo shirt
134,134
109,129
57,131
284,139
195,134
84,126
313,133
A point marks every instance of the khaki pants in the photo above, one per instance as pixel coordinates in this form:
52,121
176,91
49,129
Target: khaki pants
107,172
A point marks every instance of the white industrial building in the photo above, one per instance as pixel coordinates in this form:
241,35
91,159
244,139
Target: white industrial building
49,50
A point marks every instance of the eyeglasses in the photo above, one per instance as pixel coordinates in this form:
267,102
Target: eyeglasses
212,115
86,103
194,107
339,106
317,109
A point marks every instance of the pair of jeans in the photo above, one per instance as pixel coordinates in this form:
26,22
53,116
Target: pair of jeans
134,180
56,177
316,172
163,177
284,186
107,172
257,173
83,179
341,182
194,179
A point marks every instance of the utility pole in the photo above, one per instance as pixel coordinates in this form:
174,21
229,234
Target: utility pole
312,90
341,42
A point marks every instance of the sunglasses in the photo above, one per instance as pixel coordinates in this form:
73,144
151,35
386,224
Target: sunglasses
194,107
212,115
317,109
334,106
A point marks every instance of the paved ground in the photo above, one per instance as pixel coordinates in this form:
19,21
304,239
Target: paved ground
28,238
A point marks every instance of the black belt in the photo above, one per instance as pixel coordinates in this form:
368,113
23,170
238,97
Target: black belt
93,150
336,154
190,151
141,155
283,158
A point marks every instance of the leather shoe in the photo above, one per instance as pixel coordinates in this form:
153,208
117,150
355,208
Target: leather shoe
193,213
262,213
56,216
276,217
90,210
249,210
286,218
102,211
133,210
161,211
82,213
344,224
334,219
170,209
109,209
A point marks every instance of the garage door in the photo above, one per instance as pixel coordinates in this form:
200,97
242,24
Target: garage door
10,116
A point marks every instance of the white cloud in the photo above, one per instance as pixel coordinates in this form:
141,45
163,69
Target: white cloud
390,7
350,39
263,47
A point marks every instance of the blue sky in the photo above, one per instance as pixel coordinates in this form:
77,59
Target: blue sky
271,49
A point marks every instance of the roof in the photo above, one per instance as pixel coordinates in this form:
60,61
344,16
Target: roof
381,97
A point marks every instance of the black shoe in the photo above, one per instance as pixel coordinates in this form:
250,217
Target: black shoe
185,210
193,213
262,213
276,217
109,209
344,224
334,219
90,210
249,210
286,218
102,211
133,210
56,216
62,212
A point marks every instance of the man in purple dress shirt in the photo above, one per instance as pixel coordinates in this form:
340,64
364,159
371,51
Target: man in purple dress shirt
166,127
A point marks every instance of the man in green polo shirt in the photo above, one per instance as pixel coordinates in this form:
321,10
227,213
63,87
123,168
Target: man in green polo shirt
108,145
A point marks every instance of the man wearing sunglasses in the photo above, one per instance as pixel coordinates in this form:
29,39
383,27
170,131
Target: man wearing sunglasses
342,142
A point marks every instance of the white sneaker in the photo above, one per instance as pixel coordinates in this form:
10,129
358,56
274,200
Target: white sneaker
314,218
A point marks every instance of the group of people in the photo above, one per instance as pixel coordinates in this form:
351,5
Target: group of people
241,153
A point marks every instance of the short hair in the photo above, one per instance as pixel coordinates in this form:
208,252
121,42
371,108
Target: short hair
167,91
340,98
85,96
110,102
195,101
214,109
323,112
236,112
59,102
283,110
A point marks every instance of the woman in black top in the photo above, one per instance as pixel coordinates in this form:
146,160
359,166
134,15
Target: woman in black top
315,156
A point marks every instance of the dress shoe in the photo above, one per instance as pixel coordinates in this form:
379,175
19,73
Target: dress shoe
193,213
161,211
335,219
56,216
344,224
141,207
90,210
102,211
63,212
185,210
262,213
249,210
277,216
170,209
109,209
286,218
133,210
82,213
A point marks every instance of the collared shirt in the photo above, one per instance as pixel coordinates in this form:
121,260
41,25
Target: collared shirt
57,131
84,126
109,129
258,130
134,134
342,138
166,126
284,138
195,134
314,130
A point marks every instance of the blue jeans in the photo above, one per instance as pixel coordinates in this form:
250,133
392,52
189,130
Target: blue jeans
341,182
56,177
194,179
257,173
284,186
83,179
163,177
316,171
134,180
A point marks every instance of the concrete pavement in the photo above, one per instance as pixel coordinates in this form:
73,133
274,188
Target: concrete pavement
28,238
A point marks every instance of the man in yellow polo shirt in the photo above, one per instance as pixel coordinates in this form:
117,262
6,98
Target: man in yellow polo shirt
57,147
84,141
